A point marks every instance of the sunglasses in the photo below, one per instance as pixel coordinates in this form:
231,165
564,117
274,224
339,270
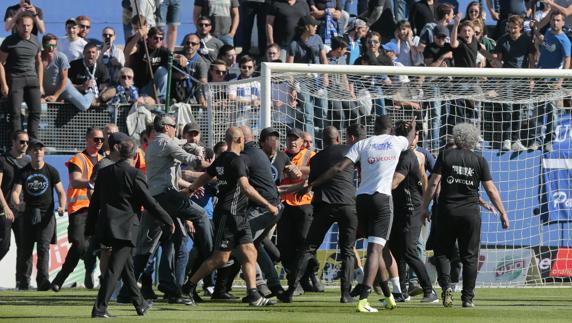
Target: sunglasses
98,139
192,43
50,46
158,38
477,33
247,67
84,26
24,142
219,72
126,77
204,25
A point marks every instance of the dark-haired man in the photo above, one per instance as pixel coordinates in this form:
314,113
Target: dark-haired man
378,156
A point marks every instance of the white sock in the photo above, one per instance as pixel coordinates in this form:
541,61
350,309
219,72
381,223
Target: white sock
395,284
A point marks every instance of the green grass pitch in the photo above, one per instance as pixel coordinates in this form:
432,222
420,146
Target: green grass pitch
493,305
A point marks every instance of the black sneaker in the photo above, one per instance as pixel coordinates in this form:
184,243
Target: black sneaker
346,298
401,297
88,281
144,308
414,289
317,286
286,296
181,300
469,304
357,290
99,315
55,287
262,301
430,298
223,296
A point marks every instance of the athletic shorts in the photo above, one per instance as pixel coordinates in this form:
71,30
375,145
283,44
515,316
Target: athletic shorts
231,230
375,216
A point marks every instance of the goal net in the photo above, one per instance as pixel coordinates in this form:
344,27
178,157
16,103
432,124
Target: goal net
525,121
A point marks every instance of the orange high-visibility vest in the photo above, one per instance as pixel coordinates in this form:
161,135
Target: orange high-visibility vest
77,197
302,158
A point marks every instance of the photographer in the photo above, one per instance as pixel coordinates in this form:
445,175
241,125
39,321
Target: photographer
13,12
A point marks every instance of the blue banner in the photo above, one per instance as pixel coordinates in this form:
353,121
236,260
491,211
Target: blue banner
557,167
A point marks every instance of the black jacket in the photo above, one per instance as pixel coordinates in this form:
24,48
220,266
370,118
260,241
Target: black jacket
120,191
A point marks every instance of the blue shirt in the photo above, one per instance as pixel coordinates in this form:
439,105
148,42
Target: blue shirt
553,50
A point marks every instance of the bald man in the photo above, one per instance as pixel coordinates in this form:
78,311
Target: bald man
230,216
333,202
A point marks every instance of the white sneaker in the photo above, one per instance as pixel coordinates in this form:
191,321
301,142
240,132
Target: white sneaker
518,146
506,145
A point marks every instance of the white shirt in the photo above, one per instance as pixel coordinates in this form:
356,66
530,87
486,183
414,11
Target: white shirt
379,156
72,49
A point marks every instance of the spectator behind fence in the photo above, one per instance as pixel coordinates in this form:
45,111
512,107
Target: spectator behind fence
444,16
111,56
191,69
333,20
227,54
356,38
25,6
210,45
72,44
127,92
84,25
88,76
250,9
504,10
422,13
282,20
158,56
22,73
169,14
224,17
56,68
246,95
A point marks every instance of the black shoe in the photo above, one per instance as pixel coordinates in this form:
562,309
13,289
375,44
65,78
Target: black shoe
276,291
55,287
99,315
23,287
286,296
197,298
181,300
88,281
346,298
414,289
187,287
144,308
43,287
223,296
317,286
357,290
468,304
306,285
298,290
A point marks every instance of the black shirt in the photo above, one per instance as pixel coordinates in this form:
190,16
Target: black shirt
466,54
514,52
138,62
408,195
13,10
461,173
38,186
340,189
79,73
21,61
228,168
433,52
286,19
260,172
279,161
421,14
10,168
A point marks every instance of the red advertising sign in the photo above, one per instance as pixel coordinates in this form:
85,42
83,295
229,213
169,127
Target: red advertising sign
562,266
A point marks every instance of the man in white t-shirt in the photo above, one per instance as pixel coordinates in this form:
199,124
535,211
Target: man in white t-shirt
72,44
378,157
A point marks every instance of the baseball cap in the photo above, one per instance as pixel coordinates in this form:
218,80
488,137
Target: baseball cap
36,143
116,138
308,20
71,21
295,132
442,31
390,47
266,132
191,126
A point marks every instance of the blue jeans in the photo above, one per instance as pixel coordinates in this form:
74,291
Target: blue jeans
401,9
315,110
379,103
226,39
160,82
169,13
435,113
73,96
544,115
181,240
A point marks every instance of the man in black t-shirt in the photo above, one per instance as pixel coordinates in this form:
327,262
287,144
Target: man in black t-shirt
407,194
462,172
231,222
139,62
22,74
10,165
87,76
282,20
37,180
333,202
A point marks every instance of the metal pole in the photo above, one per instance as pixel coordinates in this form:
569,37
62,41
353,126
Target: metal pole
169,74
266,89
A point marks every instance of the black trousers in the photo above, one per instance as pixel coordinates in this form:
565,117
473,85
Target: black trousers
23,272
81,248
325,215
464,227
120,264
252,10
403,244
25,89
40,235
293,228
